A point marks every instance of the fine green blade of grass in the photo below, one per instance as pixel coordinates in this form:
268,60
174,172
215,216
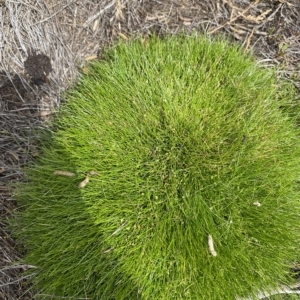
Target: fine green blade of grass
186,138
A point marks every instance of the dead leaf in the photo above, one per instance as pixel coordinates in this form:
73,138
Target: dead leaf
92,57
123,36
83,183
185,19
185,23
64,173
211,246
93,173
95,25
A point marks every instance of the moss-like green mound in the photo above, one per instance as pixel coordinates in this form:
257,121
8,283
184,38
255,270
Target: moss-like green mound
182,178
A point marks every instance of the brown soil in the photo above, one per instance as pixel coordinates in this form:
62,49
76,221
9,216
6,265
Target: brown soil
44,44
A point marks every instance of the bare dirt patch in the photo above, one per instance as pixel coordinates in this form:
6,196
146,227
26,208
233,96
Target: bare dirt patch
39,35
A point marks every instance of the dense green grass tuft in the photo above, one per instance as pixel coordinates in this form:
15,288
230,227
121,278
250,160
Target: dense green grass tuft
186,139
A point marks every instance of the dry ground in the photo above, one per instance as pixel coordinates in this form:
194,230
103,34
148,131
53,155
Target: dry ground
71,32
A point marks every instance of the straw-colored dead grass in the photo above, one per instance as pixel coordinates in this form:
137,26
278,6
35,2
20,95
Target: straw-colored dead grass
71,32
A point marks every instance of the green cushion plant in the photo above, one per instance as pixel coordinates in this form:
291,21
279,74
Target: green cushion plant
171,173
